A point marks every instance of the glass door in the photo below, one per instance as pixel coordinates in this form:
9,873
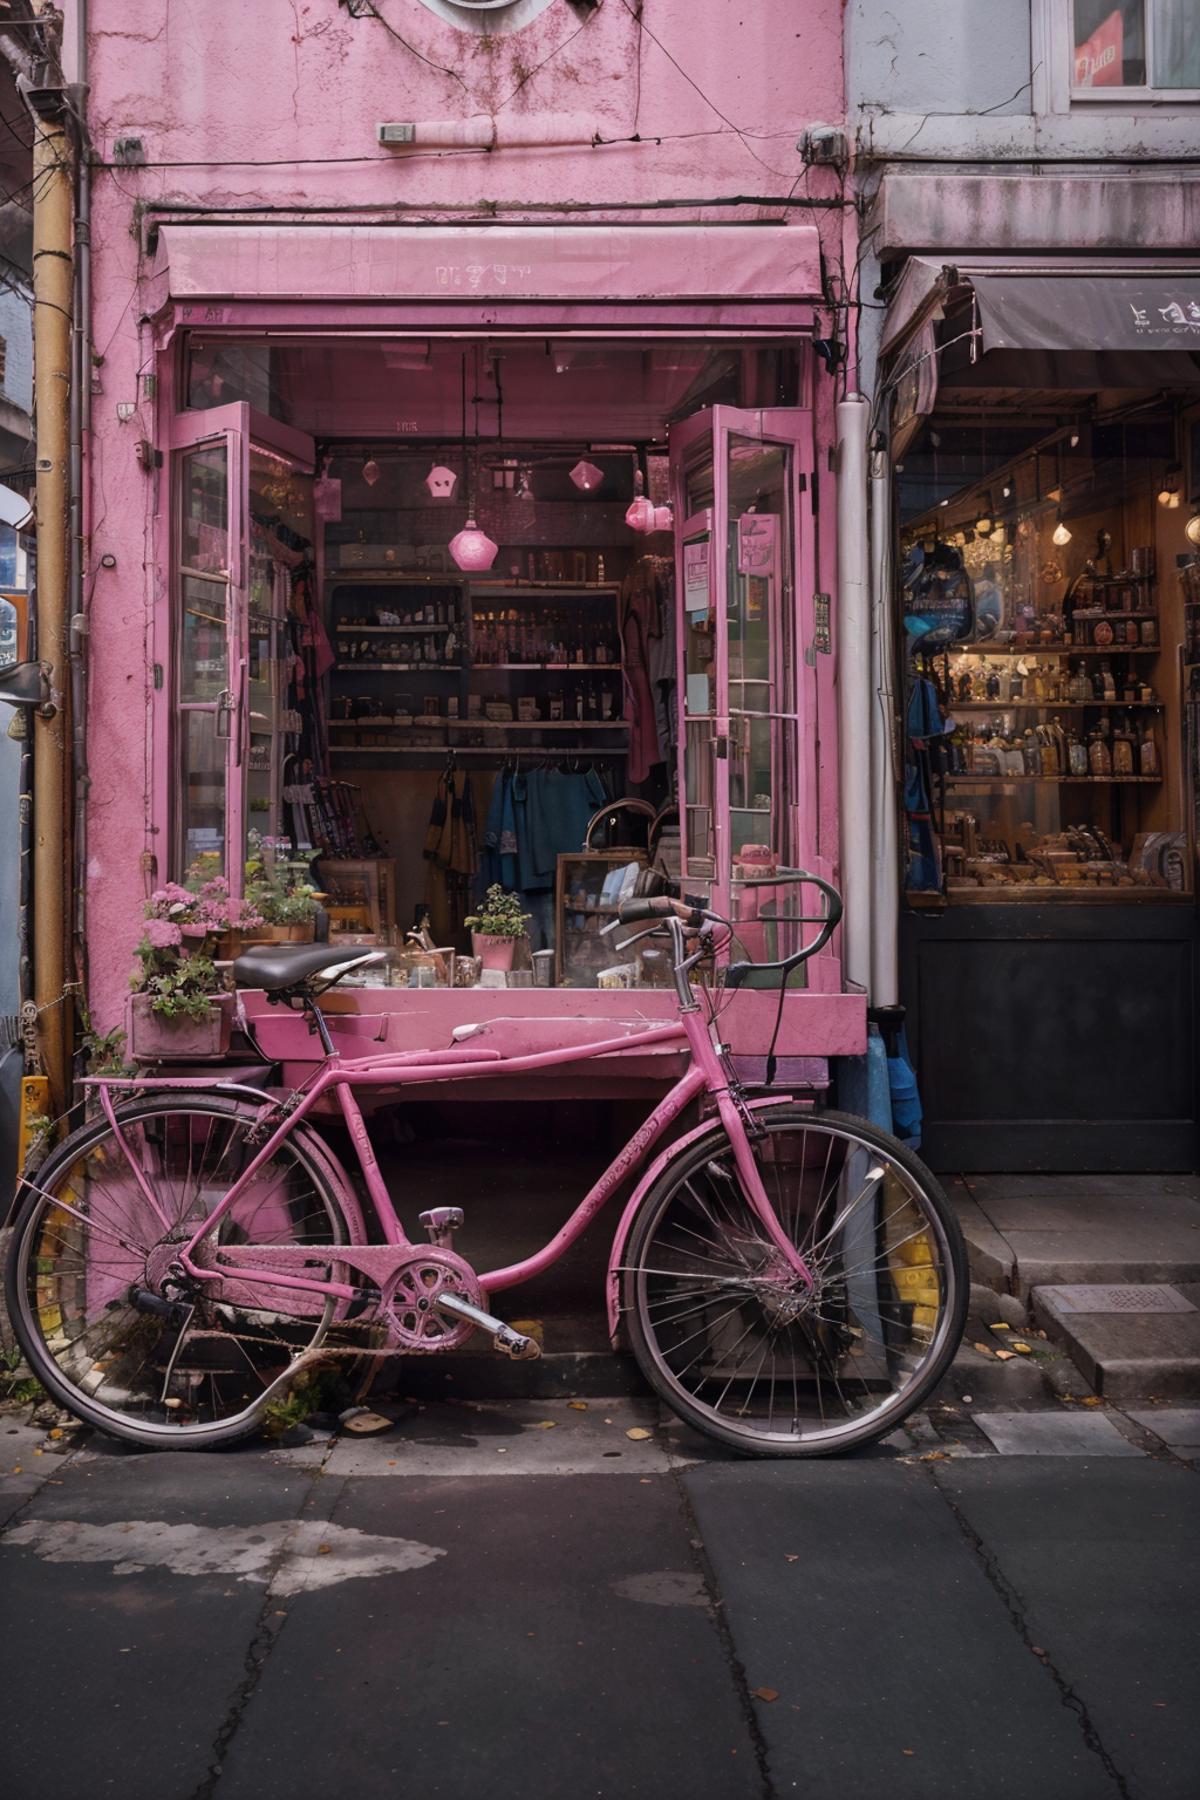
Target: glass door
243,509
741,492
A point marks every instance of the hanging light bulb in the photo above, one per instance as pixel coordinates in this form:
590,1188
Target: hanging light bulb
472,549
441,481
1060,534
371,471
985,523
642,514
587,476
1192,530
1074,439
1168,493
1006,490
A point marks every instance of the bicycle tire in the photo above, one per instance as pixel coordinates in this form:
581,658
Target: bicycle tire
740,1285
47,1275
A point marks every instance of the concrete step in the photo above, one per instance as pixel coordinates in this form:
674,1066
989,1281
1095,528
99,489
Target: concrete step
1132,1340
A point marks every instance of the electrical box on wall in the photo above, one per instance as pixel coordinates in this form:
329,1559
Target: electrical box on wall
404,132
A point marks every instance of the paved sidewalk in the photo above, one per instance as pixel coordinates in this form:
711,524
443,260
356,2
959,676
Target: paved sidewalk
523,1597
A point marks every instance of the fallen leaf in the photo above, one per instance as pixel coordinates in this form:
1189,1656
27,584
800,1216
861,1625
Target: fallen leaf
935,1456
795,1558
1004,1355
1092,1400
999,1327
324,1549
545,1425
908,1753
578,1405
57,1432
1025,1349
1037,1650
766,1693
637,1433
985,1348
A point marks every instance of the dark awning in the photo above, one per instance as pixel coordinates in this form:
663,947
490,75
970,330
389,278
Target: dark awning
1027,303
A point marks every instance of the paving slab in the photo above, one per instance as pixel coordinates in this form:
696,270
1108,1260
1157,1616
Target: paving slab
1127,1354
1102,1562
851,1592
991,1256
1177,1426
1055,1211
990,1188
152,1654
1104,1254
562,1644
1058,1433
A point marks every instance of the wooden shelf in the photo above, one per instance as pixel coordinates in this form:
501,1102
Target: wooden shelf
344,628
408,668
994,706
1053,649
1055,780
552,668
490,725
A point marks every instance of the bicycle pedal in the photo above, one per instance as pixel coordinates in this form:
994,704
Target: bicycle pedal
441,1222
513,1344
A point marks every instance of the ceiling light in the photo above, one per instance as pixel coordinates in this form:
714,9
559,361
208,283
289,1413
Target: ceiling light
1168,493
1060,535
472,549
1006,490
441,481
587,476
1074,439
371,471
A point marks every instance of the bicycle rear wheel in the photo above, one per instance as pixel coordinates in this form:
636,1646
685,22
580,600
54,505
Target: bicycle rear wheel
738,1347
85,1276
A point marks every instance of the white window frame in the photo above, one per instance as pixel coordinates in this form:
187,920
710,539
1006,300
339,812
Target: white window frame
1053,45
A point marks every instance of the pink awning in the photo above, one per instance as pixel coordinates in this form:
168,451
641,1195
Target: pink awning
573,264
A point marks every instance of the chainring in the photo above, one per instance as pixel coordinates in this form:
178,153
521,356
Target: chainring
407,1304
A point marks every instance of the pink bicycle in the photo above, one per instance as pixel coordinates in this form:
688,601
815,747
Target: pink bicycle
793,1282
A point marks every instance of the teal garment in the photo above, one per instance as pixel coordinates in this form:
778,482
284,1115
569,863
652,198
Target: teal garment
553,808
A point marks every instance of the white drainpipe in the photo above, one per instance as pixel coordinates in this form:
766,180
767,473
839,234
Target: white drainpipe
885,861
854,685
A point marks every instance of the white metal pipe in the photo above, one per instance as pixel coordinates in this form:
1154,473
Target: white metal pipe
854,685
885,859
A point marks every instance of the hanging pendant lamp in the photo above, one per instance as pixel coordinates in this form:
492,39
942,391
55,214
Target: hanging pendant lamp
472,549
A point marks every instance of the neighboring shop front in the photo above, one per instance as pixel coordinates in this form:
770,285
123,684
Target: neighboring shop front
468,540
1043,420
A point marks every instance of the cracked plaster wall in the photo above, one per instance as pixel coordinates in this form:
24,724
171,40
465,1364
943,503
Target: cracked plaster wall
276,103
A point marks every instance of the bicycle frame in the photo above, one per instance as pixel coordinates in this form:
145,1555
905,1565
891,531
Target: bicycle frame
342,1077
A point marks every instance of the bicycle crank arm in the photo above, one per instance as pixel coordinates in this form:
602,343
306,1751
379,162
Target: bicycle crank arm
509,1342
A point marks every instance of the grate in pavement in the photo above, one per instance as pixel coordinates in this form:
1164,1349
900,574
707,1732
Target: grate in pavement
1097,1299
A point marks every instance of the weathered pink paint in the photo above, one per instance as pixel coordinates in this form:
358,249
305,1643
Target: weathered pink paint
266,115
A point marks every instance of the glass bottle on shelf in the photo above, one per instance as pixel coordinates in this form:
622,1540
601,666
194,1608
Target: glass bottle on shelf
1124,748
1099,755
1080,688
1077,756
1148,758
1031,752
1107,683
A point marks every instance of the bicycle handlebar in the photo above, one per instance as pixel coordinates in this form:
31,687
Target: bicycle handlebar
661,906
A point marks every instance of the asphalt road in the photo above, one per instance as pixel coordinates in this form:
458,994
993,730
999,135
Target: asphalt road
519,1599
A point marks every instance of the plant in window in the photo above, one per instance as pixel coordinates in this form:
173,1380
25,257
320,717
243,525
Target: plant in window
277,884
496,927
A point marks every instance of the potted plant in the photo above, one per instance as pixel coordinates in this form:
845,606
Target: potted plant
179,1009
278,889
496,927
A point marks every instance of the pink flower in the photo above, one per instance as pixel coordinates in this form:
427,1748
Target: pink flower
162,934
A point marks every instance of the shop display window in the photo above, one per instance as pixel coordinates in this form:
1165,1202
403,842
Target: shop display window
1043,606
419,730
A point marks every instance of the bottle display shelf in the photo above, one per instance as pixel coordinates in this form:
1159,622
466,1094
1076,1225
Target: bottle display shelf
348,628
398,668
986,780
986,649
575,667
1015,706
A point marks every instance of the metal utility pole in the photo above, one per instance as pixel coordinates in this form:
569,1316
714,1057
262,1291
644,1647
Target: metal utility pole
53,277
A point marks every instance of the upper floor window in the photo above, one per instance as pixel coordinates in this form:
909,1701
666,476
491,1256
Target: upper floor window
1146,50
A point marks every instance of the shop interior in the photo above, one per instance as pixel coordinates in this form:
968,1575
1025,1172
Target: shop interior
1049,574
460,630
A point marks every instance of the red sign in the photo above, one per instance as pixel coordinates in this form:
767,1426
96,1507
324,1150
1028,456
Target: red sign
1100,60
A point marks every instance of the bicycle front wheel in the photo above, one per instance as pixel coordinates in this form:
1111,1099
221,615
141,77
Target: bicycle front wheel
102,1328
742,1349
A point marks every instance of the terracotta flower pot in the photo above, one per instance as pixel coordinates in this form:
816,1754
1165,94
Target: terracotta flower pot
153,1039
493,952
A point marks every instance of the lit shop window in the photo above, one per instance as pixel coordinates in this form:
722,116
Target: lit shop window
1135,49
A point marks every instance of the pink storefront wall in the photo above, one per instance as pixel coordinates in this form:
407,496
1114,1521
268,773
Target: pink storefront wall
268,113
